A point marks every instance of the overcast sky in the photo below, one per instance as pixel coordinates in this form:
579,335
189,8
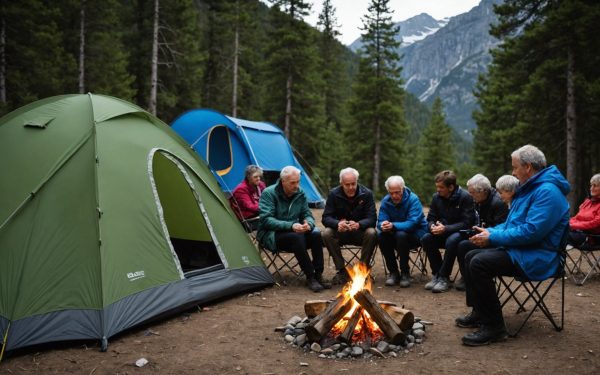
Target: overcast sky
350,12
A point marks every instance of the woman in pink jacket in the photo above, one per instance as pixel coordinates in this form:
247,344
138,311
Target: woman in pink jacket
247,193
587,219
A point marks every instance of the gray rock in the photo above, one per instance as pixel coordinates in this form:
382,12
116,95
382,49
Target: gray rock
322,356
301,325
347,351
294,320
289,326
315,347
419,333
341,355
415,326
393,347
336,347
298,331
410,338
304,364
418,341
327,351
383,346
410,345
289,338
393,354
300,340
280,329
289,331
376,352
357,351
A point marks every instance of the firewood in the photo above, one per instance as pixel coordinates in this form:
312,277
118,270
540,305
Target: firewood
382,318
404,318
327,319
346,336
313,308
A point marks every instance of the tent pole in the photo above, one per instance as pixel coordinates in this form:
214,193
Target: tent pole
4,342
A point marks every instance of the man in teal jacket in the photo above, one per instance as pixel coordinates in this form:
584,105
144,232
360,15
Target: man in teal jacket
526,244
286,223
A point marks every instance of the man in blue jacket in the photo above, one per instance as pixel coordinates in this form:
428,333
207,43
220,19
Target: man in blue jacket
526,244
349,218
400,223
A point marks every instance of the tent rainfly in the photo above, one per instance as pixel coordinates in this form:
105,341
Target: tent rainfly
229,144
107,220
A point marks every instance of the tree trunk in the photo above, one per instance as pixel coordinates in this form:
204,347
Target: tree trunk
236,51
82,47
2,60
288,107
376,156
571,132
154,74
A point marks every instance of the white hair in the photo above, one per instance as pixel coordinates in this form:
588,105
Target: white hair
394,180
530,154
507,183
288,171
348,170
595,180
479,182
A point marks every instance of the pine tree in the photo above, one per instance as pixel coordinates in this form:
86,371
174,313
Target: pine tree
379,131
436,152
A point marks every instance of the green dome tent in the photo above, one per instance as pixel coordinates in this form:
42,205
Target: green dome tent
108,219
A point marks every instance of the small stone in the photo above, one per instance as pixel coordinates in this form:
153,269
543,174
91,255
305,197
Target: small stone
289,338
344,345
301,340
347,351
376,352
426,322
304,364
322,356
289,326
357,351
315,347
417,326
298,331
257,293
393,354
336,347
383,346
301,325
327,351
410,338
294,320
419,333
410,345
280,329
418,341
393,347
289,331
341,355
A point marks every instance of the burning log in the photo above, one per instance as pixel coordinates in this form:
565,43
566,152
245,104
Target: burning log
378,314
323,323
404,318
346,336
313,308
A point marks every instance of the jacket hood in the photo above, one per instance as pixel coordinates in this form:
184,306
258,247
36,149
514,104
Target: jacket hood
549,174
407,193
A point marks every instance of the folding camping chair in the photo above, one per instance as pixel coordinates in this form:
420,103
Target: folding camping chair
280,261
588,262
525,292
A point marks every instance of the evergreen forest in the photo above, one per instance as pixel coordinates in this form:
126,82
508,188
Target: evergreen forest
260,60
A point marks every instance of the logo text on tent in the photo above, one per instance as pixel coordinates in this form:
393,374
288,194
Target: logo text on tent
132,276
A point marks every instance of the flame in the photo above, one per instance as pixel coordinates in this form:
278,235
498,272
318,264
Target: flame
366,329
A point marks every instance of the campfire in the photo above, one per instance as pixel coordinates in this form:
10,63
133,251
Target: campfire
354,321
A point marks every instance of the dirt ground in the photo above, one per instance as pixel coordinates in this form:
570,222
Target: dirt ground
236,336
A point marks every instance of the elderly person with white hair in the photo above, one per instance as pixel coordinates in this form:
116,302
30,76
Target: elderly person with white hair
490,211
286,223
400,223
587,220
507,186
349,218
527,244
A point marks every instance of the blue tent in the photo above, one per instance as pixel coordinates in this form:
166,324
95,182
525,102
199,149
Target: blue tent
229,144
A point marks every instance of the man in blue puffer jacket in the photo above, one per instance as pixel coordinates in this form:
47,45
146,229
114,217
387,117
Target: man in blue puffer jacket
526,244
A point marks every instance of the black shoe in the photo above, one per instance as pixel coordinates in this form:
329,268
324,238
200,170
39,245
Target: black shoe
485,335
341,277
314,285
460,285
324,283
471,320
393,279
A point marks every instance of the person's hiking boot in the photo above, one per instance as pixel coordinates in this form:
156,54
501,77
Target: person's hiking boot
404,280
471,320
431,284
460,285
485,335
314,285
443,285
393,279
341,277
326,284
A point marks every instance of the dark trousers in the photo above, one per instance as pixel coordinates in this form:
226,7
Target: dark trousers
463,248
299,243
481,267
402,242
432,244
576,238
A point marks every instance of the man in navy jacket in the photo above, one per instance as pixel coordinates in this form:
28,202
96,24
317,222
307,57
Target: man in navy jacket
349,218
526,244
